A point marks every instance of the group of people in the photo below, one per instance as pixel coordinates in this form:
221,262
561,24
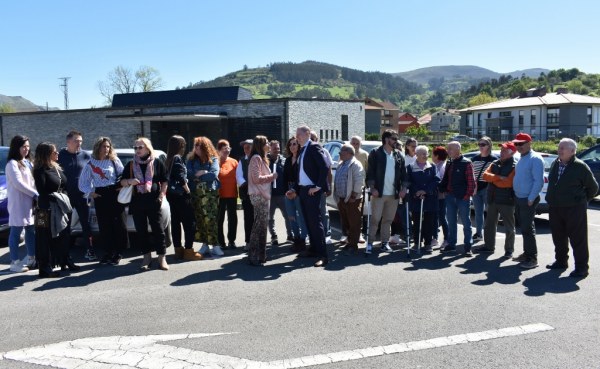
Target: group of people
386,191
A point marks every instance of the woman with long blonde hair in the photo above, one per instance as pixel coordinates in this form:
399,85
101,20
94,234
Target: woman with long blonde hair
203,171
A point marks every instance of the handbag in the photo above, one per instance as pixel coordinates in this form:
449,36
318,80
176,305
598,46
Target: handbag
174,188
125,194
42,218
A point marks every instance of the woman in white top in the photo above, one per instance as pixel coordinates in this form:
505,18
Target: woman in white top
21,193
410,154
98,181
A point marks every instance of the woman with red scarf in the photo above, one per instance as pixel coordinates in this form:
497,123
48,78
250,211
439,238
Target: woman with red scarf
149,176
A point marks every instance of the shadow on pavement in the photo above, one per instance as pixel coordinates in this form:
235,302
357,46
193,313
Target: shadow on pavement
550,282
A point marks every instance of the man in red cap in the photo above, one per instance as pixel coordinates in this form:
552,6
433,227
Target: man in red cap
527,184
500,201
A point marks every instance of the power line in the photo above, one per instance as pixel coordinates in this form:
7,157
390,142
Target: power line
65,87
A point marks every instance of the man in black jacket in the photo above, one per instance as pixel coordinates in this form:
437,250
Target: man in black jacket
386,175
571,185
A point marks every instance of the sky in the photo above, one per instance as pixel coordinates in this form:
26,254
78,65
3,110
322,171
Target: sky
190,41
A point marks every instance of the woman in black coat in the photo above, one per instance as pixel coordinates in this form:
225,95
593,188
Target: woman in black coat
52,238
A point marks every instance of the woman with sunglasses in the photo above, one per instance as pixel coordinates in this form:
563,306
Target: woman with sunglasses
480,163
98,181
148,176
203,171
292,206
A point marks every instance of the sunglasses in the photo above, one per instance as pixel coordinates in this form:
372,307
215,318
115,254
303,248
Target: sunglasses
138,147
482,144
394,138
519,143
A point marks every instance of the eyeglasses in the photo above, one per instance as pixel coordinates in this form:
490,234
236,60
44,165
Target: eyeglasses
482,144
294,144
138,147
394,138
519,143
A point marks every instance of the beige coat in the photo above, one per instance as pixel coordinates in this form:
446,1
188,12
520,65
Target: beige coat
356,180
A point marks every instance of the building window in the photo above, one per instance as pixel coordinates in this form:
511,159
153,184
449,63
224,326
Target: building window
386,113
489,115
553,117
321,135
533,118
589,114
326,135
479,119
344,127
469,120
521,119
505,114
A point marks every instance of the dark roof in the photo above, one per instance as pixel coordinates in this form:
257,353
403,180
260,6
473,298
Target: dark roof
183,96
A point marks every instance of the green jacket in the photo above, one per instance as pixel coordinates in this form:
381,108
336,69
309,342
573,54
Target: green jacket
576,185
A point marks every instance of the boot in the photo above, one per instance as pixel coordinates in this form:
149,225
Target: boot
146,262
191,255
179,253
162,262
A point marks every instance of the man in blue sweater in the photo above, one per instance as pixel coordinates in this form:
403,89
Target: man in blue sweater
527,184
72,160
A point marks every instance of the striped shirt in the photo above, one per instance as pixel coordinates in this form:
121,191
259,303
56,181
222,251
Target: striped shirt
99,173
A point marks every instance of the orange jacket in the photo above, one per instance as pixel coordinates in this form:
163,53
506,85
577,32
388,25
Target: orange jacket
227,178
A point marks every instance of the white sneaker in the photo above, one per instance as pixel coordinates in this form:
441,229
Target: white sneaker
216,250
328,240
434,243
204,249
28,261
18,267
344,239
361,239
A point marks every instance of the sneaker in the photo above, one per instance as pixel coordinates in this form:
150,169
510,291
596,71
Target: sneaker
521,258
507,255
468,254
448,248
477,238
290,238
369,248
482,250
529,264
274,241
115,259
434,243
557,265
231,246
577,273
216,250
90,255
28,261
395,239
106,259
361,239
328,240
344,239
428,249
444,244
204,249
18,267
385,247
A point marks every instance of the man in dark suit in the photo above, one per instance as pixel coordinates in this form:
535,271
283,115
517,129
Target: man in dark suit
312,183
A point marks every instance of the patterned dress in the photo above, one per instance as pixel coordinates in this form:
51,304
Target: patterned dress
205,198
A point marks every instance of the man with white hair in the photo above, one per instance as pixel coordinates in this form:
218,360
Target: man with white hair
459,185
571,186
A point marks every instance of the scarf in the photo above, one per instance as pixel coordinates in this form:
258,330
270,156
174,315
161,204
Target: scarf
145,185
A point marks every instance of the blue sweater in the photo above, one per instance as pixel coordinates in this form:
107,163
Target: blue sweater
72,165
529,176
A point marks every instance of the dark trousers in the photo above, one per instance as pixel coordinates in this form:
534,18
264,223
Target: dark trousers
111,220
526,216
351,219
83,211
440,220
182,213
248,217
145,210
570,224
311,208
51,252
228,205
426,227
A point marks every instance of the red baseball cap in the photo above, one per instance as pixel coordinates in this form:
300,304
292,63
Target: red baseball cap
522,137
509,145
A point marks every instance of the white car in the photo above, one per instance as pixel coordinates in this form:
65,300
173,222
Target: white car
542,207
334,150
126,155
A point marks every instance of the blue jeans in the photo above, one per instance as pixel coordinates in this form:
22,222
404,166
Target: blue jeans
295,217
479,200
325,215
460,207
441,220
13,241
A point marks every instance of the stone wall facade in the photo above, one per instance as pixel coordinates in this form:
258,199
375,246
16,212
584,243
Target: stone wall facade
325,117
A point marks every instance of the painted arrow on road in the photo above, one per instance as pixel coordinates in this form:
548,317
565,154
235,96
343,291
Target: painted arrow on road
150,352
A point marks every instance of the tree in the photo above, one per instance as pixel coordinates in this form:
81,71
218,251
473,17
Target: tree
5,108
419,132
123,80
481,99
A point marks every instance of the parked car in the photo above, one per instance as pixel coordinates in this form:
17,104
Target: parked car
126,155
334,150
463,138
3,191
542,207
591,157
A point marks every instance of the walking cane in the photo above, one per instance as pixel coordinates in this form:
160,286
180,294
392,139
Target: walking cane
407,228
420,225
367,201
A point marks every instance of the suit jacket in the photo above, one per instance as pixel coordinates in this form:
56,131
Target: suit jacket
315,166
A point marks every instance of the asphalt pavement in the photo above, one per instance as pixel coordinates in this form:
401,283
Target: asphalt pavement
381,311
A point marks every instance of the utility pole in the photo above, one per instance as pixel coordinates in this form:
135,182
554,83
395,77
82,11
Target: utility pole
65,87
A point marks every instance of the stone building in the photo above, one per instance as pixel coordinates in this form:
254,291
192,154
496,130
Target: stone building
223,112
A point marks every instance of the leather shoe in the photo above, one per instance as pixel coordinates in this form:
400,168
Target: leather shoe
557,265
48,273
70,266
579,273
321,263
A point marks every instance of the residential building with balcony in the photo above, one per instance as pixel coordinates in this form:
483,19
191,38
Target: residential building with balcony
383,112
543,116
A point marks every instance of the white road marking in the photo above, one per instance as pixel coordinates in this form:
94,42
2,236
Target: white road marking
147,351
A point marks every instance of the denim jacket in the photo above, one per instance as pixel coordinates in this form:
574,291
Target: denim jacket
210,179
